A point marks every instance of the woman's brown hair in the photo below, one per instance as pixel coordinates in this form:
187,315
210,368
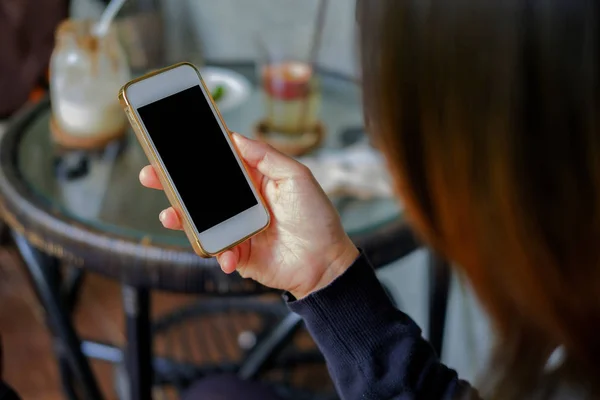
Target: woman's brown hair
487,114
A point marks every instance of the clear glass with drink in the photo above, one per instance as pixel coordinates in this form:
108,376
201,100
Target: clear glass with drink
291,96
290,88
86,73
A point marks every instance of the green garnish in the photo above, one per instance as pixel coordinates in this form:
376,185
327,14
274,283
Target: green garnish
218,93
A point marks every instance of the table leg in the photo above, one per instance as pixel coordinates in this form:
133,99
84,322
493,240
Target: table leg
55,281
136,303
439,288
66,378
71,286
40,268
4,233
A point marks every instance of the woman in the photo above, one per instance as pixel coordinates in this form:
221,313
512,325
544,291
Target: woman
486,112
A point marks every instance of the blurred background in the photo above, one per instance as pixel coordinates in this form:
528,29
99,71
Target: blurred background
97,300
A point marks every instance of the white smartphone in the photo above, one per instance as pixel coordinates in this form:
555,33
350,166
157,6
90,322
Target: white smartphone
186,140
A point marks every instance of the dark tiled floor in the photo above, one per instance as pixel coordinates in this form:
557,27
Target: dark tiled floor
29,364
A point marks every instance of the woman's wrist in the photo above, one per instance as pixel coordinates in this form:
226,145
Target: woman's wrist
342,259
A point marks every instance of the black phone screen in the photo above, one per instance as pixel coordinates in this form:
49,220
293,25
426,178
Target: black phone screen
196,155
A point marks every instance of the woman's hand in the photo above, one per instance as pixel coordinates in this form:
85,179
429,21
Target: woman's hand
305,247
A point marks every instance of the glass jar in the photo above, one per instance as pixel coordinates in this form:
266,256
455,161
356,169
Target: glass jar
86,73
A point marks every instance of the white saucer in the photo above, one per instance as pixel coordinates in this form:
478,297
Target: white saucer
237,88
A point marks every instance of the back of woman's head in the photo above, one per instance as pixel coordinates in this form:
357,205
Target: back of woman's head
488,114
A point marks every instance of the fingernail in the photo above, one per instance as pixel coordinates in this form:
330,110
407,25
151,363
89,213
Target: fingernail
162,215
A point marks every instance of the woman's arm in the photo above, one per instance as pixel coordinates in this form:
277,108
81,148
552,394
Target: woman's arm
373,350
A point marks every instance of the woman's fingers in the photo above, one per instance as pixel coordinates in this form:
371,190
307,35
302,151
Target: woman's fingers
149,178
235,259
170,219
229,260
167,217
268,161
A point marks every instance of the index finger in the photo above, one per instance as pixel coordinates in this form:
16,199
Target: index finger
149,178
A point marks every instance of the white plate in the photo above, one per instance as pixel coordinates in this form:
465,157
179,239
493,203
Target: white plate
237,88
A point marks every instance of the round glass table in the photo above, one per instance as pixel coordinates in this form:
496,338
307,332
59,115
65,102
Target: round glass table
88,207
88,211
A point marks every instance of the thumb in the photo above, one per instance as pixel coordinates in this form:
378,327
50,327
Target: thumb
268,161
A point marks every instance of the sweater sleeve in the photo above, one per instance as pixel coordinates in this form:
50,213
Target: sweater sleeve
374,351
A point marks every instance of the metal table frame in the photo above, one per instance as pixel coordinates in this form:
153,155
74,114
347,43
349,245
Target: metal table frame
58,295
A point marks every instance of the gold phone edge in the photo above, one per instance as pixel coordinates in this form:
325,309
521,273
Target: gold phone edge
144,141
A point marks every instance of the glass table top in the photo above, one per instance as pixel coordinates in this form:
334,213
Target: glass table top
101,189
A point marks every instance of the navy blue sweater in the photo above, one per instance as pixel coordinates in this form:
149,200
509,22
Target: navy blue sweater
374,351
